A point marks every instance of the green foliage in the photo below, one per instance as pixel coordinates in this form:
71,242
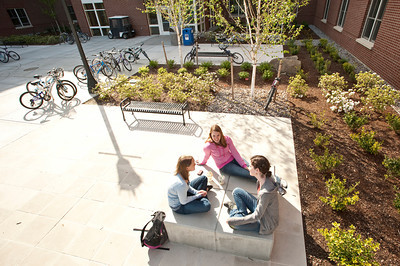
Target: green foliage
340,196
354,121
323,43
32,39
245,66
150,90
302,74
264,66
182,70
201,87
207,64
200,71
178,92
297,87
346,248
223,72
367,141
171,63
396,201
188,65
153,64
144,70
317,121
226,64
394,122
367,80
322,140
294,50
348,68
244,75
119,87
379,97
327,161
392,166
268,75
161,71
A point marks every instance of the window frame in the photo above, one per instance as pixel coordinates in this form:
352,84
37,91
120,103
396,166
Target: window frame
326,11
342,13
21,24
373,30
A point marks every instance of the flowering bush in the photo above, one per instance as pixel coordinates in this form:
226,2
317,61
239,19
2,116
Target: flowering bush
367,141
223,72
367,80
379,97
297,87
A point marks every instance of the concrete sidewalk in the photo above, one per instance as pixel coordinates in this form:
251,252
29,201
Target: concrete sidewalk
76,179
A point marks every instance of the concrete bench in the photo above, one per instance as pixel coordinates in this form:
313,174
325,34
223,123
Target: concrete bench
154,107
210,230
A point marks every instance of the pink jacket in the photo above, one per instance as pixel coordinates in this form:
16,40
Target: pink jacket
221,155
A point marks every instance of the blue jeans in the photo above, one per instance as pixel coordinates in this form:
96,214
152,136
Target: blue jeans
199,205
244,201
234,168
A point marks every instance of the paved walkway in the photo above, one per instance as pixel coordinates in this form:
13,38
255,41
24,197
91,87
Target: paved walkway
75,179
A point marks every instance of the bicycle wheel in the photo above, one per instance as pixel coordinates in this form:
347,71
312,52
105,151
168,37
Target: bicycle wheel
14,55
269,98
82,38
66,90
129,56
237,58
189,58
33,87
30,101
107,70
80,73
3,57
126,64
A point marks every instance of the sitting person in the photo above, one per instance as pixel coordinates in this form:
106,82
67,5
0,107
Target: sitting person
225,155
186,197
264,213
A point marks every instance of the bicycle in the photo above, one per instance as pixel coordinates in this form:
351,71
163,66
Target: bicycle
99,65
117,58
40,89
5,56
66,38
272,91
236,57
133,54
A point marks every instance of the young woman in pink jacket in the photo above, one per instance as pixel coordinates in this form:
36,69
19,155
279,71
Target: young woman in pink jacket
225,155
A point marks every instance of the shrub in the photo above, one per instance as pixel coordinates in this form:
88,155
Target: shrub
161,71
316,121
378,98
182,70
264,66
200,71
332,82
297,87
207,64
226,64
302,74
354,121
348,68
188,65
396,201
178,93
201,87
322,140
150,90
153,64
323,43
346,248
294,50
223,72
327,161
340,196
144,70
367,80
245,66
367,141
392,166
244,75
267,75
394,122
171,63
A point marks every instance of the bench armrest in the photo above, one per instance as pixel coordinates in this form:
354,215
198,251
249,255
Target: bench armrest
124,103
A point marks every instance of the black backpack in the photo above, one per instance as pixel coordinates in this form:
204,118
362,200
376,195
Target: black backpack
157,235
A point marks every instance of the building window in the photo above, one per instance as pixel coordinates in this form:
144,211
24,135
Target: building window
342,14
326,11
374,19
19,17
97,17
236,7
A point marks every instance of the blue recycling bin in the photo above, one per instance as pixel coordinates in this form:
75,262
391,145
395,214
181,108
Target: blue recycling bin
187,35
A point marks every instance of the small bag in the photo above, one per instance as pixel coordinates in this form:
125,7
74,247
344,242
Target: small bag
157,235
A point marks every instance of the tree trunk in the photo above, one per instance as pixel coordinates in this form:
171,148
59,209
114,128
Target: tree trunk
253,78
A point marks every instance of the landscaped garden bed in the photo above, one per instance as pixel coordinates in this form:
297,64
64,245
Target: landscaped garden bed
358,147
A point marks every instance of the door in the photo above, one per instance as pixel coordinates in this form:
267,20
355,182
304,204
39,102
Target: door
158,25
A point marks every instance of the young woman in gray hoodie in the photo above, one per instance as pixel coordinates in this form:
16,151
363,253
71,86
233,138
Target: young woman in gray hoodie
261,213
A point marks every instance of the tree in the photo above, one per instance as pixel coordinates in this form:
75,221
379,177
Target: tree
50,10
254,23
179,13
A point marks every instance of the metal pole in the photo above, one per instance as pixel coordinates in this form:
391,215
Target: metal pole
91,82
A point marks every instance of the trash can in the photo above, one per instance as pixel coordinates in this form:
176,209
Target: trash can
187,35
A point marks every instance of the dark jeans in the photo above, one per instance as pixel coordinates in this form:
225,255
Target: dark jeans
199,205
234,169
244,201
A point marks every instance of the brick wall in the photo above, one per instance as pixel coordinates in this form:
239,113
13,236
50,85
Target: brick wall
384,57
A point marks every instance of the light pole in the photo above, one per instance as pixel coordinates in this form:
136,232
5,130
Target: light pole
91,82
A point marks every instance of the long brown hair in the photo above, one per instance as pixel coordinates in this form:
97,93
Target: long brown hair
217,128
181,167
262,163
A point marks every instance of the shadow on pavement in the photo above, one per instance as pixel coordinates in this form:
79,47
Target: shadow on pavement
166,127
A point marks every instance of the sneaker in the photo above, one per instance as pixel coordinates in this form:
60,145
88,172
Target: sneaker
230,205
284,183
209,187
281,191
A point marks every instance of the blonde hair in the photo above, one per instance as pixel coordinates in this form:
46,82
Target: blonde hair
217,128
181,167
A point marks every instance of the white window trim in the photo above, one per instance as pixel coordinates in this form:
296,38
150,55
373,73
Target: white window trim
326,10
375,19
365,43
344,13
22,27
338,28
323,21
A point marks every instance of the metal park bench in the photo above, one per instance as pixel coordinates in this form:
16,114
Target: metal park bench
155,108
236,57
